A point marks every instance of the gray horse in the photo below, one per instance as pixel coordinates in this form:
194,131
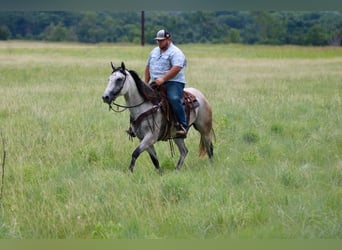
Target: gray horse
148,121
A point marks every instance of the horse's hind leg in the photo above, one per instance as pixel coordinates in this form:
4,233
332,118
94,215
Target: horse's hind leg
183,151
203,125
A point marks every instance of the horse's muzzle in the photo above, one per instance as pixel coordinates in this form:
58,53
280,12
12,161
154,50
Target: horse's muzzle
107,99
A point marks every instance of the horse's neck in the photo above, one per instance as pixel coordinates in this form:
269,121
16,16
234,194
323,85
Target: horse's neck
133,98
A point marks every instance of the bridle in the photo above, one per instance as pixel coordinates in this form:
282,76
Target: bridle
124,107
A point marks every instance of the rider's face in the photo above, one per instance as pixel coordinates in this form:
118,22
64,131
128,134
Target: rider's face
163,44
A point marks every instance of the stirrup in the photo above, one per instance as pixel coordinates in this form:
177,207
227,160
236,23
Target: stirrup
181,132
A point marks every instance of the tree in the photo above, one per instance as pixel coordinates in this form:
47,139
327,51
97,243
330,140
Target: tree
270,29
233,36
4,32
316,36
88,30
58,33
249,27
336,36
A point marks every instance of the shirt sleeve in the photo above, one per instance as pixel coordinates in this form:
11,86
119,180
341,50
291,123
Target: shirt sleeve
178,59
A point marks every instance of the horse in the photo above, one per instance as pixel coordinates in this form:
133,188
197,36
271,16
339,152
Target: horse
148,121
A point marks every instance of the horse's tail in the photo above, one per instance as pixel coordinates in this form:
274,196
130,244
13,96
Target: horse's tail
205,127
206,144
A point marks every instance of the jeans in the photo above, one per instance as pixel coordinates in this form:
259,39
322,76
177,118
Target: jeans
174,91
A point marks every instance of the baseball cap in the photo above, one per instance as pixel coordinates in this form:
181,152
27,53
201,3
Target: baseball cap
162,34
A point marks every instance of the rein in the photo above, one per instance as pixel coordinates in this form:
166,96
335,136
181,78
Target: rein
123,106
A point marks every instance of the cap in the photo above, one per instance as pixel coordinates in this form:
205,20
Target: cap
163,34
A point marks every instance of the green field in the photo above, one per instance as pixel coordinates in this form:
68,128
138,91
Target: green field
277,170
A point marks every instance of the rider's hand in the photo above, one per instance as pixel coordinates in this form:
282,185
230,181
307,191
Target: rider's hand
159,81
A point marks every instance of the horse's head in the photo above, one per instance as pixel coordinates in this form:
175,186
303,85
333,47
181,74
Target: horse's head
116,83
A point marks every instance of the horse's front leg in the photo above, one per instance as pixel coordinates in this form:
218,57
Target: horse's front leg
135,155
153,155
145,143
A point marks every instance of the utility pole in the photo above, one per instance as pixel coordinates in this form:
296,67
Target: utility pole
142,28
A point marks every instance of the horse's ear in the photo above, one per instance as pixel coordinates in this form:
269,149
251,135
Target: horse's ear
123,66
113,67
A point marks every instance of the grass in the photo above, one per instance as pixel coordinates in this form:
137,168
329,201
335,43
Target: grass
277,170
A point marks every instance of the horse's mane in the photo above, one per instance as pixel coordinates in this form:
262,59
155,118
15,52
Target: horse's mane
144,89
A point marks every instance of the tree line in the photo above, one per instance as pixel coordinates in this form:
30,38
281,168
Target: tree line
247,27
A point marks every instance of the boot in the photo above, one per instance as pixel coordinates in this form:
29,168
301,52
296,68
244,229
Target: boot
181,132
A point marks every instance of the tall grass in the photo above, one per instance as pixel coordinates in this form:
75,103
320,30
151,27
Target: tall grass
277,171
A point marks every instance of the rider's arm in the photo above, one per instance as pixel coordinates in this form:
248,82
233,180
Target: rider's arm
169,75
147,74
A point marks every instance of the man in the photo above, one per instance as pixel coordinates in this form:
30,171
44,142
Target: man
165,66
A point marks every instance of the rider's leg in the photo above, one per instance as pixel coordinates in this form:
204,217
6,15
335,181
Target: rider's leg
174,96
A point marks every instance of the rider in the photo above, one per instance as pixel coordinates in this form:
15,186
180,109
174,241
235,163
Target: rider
165,66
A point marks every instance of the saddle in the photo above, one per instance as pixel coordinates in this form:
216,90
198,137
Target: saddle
189,101
157,95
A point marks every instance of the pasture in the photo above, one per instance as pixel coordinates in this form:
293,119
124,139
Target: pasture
277,170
